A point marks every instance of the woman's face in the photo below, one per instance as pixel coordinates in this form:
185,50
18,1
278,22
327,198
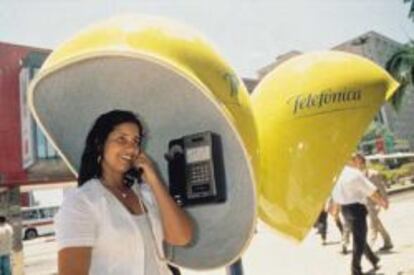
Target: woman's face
121,148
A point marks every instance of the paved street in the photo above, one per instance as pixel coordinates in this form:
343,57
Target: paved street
271,254
40,256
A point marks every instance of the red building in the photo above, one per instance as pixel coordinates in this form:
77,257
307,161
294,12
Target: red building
11,169
26,157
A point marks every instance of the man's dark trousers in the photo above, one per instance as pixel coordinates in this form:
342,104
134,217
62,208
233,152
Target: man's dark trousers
355,214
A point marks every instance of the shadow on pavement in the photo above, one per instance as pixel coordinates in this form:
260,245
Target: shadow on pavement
389,252
332,243
374,272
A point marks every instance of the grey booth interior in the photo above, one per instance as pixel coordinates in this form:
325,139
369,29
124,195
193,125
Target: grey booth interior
68,99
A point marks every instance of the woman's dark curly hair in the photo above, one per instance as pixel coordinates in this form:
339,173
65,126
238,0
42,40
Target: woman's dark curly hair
90,166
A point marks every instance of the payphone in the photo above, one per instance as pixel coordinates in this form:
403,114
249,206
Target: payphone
196,169
133,175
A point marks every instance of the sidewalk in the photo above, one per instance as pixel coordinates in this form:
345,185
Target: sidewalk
270,253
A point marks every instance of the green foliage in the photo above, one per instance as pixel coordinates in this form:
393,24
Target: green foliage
375,129
393,175
411,10
401,66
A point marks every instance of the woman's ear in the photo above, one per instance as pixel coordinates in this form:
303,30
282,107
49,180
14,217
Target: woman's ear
99,152
98,146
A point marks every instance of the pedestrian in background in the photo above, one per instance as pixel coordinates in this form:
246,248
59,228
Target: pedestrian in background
322,222
375,224
343,226
321,225
351,192
6,245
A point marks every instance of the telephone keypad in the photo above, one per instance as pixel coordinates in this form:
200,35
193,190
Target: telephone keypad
199,178
199,173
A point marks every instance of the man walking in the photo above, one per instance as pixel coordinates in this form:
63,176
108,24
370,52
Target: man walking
6,241
351,192
375,224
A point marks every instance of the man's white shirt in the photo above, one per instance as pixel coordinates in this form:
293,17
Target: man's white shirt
352,187
6,239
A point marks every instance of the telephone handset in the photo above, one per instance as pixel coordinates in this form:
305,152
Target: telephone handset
196,169
132,175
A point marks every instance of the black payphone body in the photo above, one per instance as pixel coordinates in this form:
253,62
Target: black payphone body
196,169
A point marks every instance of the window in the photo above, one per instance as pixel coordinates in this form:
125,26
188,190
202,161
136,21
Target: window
49,212
30,215
44,149
34,143
40,213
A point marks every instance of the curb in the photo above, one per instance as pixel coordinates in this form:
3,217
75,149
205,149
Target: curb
400,189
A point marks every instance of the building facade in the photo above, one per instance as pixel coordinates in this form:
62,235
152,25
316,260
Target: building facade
380,49
27,158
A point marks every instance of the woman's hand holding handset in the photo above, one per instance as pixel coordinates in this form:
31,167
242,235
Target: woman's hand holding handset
177,226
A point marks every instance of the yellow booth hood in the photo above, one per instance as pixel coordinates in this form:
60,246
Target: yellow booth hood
311,112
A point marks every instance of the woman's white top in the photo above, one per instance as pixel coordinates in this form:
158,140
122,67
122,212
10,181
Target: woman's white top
151,257
91,216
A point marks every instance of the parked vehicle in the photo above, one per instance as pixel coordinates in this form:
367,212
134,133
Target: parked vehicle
37,221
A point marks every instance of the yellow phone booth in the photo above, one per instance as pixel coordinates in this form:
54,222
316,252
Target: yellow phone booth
311,112
280,149
176,82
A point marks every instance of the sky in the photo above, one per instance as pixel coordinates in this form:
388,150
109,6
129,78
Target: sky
249,34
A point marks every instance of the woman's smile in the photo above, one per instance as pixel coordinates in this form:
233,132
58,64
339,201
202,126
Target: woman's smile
121,148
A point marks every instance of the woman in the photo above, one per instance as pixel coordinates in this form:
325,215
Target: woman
106,227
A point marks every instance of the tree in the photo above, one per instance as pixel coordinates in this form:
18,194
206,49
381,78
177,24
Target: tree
411,10
401,67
